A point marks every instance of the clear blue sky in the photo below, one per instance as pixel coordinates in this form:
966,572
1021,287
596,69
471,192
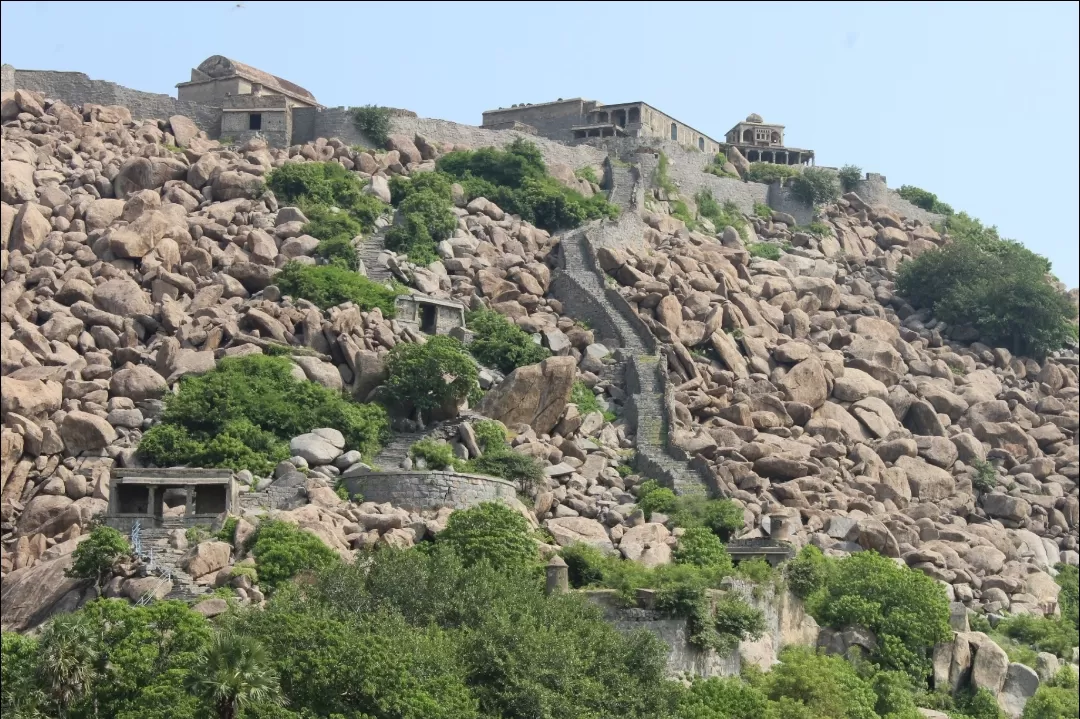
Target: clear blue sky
974,101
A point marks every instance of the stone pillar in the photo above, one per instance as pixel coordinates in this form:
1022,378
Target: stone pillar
558,577
779,527
189,500
151,505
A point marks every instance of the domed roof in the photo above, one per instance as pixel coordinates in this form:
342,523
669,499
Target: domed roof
754,117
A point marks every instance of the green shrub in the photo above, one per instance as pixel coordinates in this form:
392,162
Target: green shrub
1056,635
996,286
700,547
418,372
906,609
373,122
1068,579
336,231
765,250
985,478
756,570
317,186
850,176
331,285
490,435
522,469
501,344
437,455
762,211
980,704
918,196
827,686
584,398
721,516
516,180
94,557
242,414
807,573
681,211
585,564
734,620
654,498
1055,699
283,550
493,533
716,167
727,215
817,229
587,173
227,533
768,173
425,216
815,186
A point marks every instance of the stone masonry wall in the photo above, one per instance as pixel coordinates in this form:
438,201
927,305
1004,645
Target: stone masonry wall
874,191
551,119
76,88
416,491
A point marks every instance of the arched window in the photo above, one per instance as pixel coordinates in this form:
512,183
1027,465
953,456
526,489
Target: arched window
748,137
701,143
775,138
635,114
674,131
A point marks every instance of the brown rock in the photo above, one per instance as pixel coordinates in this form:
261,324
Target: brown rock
205,558
535,395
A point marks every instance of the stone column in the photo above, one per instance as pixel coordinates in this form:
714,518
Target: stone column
779,527
189,500
558,577
151,505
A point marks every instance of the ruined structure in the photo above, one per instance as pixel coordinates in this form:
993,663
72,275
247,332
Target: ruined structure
579,119
152,495
759,141
430,315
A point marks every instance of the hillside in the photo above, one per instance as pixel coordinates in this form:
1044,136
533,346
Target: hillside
653,363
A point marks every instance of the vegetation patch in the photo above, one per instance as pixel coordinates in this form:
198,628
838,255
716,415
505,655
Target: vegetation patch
500,343
317,186
716,167
995,285
516,179
816,186
721,216
436,374
373,122
425,215
243,413
849,176
283,550
95,555
331,285
768,172
924,199
765,250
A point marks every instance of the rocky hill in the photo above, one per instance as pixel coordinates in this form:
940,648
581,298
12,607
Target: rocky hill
757,360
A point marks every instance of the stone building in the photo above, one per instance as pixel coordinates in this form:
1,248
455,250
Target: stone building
430,315
152,495
252,101
579,119
759,141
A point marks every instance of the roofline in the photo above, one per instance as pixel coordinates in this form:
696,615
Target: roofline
653,107
277,88
755,124
536,104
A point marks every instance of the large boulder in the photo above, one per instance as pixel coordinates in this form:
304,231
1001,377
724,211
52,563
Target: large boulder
570,530
17,181
137,383
806,383
927,482
122,296
82,432
317,447
30,397
535,395
646,544
31,595
205,558
146,173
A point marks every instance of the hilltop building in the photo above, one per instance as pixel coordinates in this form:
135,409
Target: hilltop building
759,141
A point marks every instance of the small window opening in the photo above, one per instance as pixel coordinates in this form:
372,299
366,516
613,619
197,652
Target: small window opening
255,121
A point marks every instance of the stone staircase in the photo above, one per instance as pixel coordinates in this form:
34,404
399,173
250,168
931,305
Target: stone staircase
622,187
393,454
156,539
369,252
582,289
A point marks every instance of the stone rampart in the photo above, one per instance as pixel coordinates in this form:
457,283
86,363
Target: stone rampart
419,490
76,88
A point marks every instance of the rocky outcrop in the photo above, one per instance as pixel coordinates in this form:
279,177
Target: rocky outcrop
535,395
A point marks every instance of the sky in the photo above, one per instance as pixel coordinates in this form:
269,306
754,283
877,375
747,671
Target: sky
976,102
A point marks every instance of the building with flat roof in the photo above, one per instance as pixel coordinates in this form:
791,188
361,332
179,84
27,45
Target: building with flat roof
760,141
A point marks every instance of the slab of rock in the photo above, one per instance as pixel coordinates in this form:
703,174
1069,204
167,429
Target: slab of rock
569,530
647,544
138,383
317,450
806,383
535,395
927,482
157,587
31,595
206,557
82,431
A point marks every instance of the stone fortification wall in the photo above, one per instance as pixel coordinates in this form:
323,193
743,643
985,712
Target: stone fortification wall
786,622
551,119
874,191
76,88
418,490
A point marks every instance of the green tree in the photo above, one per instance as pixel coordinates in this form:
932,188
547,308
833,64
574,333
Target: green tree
816,185
491,532
849,176
334,284
501,344
373,122
94,557
20,694
433,375
906,609
700,547
807,573
68,650
234,672
827,686
282,550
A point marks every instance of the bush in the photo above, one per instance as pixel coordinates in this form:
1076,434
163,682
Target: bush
317,186
587,173
585,565
762,211
1068,579
436,455
331,285
515,467
727,215
700,547
584,398
283,550
500,343
765,250
1056,635
94,557
516,180
336,231
985,478
906,609
721,516
807,573
654,498
417,374
827,686
768,173
849,175
918,197
1055,699
716,167
373,122
227,533
425,216
816,186
493,533
996,286
242,414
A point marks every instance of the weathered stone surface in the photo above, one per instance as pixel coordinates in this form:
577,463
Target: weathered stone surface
206,557
928,483
82,431
535,395
30,595
568,530
315,449
647,544
137,383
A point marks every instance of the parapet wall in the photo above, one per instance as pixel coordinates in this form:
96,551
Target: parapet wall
76,88
416,491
